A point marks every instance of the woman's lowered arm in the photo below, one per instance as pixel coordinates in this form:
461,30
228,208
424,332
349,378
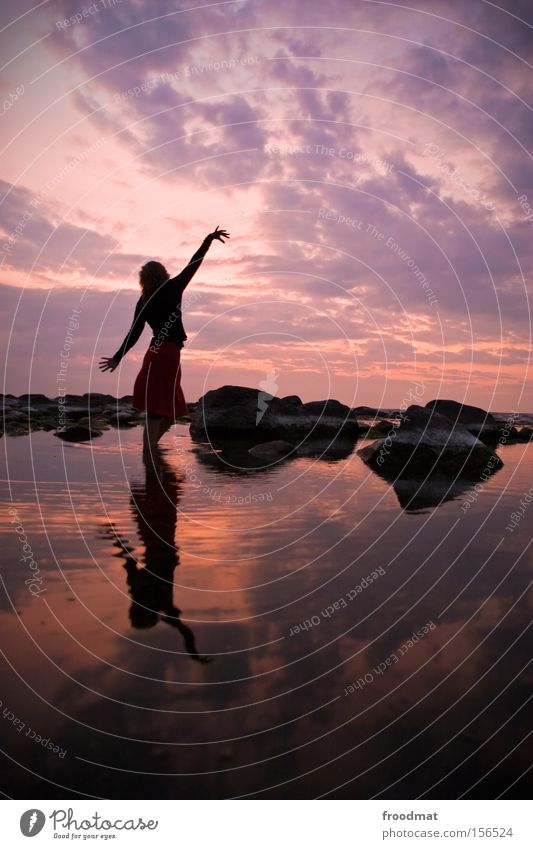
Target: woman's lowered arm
185,276
132,336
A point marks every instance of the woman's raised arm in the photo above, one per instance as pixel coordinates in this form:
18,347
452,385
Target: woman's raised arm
184,277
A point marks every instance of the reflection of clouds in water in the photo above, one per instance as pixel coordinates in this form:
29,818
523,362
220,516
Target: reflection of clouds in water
269,714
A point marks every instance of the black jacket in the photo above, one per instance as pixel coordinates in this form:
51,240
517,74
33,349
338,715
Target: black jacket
162,311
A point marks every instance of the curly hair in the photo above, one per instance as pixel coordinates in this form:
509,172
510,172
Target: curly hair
151,276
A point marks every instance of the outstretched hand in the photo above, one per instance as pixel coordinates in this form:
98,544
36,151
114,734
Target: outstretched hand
218,234
107,364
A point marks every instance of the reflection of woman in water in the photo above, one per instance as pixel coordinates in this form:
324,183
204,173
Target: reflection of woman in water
151,586
158,385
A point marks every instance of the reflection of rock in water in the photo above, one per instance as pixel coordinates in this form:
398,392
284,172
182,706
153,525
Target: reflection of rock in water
423,494
242,455
231,456
327,448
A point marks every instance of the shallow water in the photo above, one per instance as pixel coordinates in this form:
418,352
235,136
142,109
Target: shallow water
162,652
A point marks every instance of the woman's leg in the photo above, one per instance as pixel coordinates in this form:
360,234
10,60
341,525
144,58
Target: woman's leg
164,425
152,427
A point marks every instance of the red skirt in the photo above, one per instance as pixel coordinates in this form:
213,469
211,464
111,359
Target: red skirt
158,385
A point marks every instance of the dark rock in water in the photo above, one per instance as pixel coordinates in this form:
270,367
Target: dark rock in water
78,433
75,411
17,430
371,433
383,427
32,400
478,421
525,434
277,449
45,423
15,423
506,434
121,416
93,423
37,412
462,413
378,430
366,412
329,408
14,415
428,443
236,410
93,398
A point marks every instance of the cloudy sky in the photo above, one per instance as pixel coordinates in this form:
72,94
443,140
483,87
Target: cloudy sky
370,159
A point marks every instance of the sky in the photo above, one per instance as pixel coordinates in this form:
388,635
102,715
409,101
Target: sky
370,159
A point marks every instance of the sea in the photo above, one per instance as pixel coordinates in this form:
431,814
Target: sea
299,629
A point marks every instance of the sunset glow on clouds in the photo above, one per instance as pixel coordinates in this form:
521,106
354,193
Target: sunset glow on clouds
371,162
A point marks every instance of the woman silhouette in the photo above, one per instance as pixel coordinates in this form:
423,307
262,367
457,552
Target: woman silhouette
157,387
151,586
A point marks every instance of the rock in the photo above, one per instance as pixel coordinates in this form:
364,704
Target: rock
292,399
371,434
94,398
46,423
478,421
524,434
15,415
72,411
123,420
78,433
328,408
9,402
34,399
505,434
92,423
72,406
366,412
428,443
277,449
123,416
17,428
37,412
379,429
462,413
235,410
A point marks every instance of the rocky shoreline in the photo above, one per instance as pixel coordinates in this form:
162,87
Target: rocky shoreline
254,417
